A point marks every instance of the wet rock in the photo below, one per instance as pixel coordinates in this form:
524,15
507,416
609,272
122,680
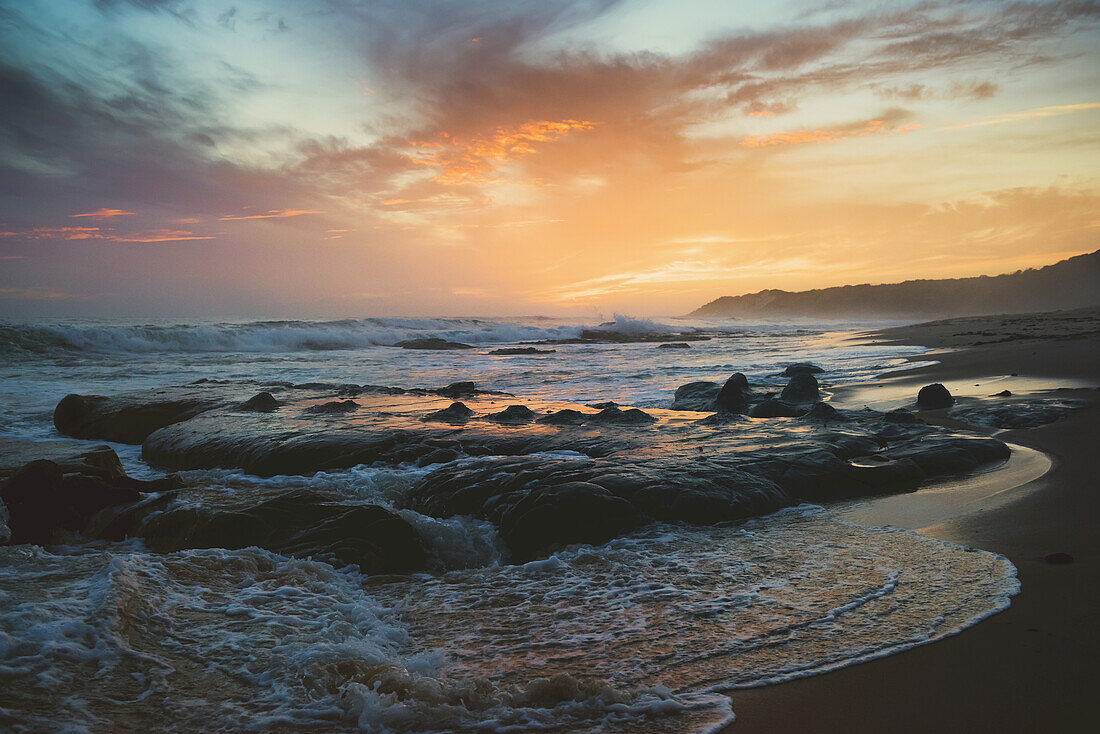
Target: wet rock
674,345
1017,413
802,388
1002,394
934,396
263,402
630,417
699,396
432,343
453,413
508,351
513,414
945,455
773,408
824,412
43,500
300,523
802,368
734,395
607,404
565,417
439,456
334,407
1059,558
901,416
123,419
574,512
459,390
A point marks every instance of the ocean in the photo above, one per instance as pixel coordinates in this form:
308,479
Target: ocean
645,632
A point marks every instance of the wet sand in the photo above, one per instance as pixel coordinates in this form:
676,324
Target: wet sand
1032,667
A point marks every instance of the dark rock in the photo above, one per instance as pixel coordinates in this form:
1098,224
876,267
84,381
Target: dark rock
263,402
122,419
299,523
334,407
631,417
439,456
772,408
459,390
575,512
734,395
802,388
522,350
901,416
42,500
431,343
802,368
1059,558
513,414
699,396
934,396
453,413
824,412
1003,394
566,417
674,345
601,406
1016,413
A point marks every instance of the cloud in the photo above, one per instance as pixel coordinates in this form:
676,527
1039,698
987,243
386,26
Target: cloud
828,135
34,294
1033,114
104,214
271,214
108,234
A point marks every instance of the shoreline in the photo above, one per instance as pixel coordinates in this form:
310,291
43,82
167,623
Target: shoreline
1026,668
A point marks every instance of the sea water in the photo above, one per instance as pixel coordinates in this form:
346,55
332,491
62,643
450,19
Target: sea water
645,633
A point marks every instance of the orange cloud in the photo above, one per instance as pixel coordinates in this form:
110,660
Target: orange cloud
273,214
104,214
474,162
823,135
159,235
96,233
57,233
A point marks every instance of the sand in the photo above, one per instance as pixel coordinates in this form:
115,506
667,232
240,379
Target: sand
1031,668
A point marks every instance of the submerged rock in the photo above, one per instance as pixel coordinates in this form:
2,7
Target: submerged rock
699,396
431,343
674,345
508,351
934,396
334,407
565,417
459,390
1017,413
824,412
454,413
802,388
773,408
513,414
263,402
802,368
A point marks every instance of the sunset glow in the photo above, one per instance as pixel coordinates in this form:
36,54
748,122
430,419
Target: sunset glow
486,158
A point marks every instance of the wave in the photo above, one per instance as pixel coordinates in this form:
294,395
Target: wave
291,336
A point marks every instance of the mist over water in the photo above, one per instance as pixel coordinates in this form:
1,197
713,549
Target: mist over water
640,634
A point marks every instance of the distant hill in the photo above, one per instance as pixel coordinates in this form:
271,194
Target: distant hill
1072,283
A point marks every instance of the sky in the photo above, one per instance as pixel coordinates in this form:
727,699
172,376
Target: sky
329,159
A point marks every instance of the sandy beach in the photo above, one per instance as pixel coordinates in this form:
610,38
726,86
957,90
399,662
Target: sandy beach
1032,667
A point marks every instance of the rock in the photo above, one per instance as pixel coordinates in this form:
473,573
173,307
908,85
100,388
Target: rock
601,406
574,512
1016,413
263,402
459,390
699,396
431,343
901,416
334,407
1002,394
802,368
513,414
734,395
299,523
439,456
674,345
522,350
772,408
453,413
1058,558
565,417
802,388
934,396
824,412
42,500
631,417
123,419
